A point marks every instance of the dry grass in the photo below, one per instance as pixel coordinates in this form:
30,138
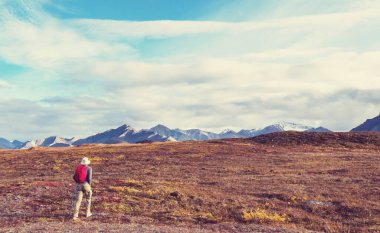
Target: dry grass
261,216
294,186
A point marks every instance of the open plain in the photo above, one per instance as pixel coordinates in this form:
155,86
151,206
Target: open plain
281,182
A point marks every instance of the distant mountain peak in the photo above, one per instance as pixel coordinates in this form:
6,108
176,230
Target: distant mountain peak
31,143
227,131
121,128
5,144
318,129
161,127
370,125
125,126
286,126
122,134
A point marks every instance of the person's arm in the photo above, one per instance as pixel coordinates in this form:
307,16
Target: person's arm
89,175
74,177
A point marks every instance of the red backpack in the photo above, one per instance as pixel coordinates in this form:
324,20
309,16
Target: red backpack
80,174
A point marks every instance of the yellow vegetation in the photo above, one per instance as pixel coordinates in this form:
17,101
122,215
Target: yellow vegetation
42,219
210,217
260,215
151,192
119,208
120,189
131,190
96,159
132,182
117,188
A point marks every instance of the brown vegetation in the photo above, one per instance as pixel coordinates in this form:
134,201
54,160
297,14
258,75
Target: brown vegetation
282,182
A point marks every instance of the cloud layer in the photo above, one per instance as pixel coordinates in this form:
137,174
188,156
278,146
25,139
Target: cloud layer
81,76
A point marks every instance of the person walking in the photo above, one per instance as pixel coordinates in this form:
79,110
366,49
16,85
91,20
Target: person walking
83,178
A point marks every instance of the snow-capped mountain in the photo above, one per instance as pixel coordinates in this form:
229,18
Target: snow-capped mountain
287,126
197,134
53,141
144,135
228,133
277,127
158,133
248,133
31,143
370,125
124,133
177,134
107,137
56,141
183,135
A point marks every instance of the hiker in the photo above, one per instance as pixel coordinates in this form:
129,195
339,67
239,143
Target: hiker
83,177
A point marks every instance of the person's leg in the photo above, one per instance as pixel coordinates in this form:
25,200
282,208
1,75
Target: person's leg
78,201
88,191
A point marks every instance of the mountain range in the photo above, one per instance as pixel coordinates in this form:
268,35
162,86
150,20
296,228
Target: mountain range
161,133
197,134
158,133
124,133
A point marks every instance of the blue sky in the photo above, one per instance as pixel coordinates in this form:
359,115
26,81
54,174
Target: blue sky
137,10
74,68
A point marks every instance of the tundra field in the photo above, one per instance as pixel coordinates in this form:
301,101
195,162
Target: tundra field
281,182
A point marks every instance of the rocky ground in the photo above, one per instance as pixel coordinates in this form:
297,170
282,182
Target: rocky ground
283,182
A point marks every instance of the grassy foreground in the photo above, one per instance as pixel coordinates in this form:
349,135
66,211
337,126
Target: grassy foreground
267,184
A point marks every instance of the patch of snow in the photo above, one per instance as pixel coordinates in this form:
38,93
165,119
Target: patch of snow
286,126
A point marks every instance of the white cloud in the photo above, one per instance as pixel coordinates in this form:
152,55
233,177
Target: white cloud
5,84
239,74
169,28
213,93
32,38
50,46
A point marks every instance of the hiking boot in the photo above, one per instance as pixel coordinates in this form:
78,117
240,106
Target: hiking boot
88,215
76,219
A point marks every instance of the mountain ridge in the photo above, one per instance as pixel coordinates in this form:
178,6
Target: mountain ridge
370,125
122,134
161,133
5,144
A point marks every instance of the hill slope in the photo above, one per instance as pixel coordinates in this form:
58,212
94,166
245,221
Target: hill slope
332,139
370,125
232,184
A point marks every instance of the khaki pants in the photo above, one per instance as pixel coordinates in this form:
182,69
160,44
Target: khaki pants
80,189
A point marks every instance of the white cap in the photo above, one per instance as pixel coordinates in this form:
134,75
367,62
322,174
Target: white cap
85,161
